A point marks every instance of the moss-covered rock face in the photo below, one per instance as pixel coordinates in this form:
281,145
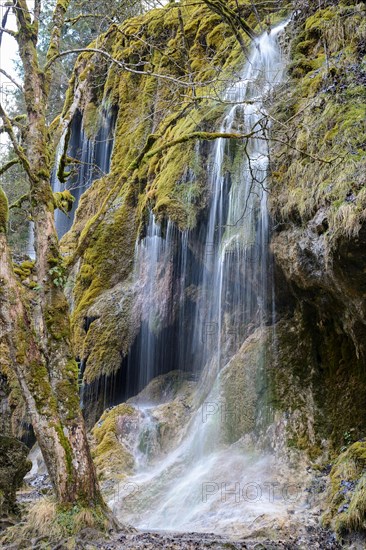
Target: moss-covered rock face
323,104
172,182
313,389
317,201
13,467
126,432
347,492
112,458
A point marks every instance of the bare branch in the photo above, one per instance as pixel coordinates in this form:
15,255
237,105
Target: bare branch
204,136
76,19
301,151
8,128
7,31
3,24
123,66
8,165
11,79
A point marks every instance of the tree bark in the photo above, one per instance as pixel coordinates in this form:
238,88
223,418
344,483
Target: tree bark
52,404
36,332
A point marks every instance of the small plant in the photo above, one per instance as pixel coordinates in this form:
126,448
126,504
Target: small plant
58,274
348,439
37,287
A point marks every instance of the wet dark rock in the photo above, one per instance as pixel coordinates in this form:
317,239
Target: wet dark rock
13,467
318,538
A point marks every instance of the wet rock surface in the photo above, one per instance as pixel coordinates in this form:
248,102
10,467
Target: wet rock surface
88,540
13,467
193,541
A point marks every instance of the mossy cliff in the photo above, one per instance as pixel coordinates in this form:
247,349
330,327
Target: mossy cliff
318,204
173,42
315,387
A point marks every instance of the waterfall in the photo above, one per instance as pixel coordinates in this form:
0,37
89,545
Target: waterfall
162,274
30,250
232,299
153,270
93,157
93,161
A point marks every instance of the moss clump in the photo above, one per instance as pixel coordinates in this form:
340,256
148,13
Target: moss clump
91,120
4,212
64,200
108,260
56,317
66,390
25,271
347,494
111,457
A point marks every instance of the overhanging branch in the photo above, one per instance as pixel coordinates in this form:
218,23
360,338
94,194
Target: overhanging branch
8,128
5,167
123,66
204,136
11,79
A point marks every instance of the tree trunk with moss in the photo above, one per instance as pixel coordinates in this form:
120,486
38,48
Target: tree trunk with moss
36,334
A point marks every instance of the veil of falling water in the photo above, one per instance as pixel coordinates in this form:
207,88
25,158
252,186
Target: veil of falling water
94,156
184,491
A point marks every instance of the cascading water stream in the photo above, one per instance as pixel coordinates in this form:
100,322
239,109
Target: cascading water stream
234,299
93,157
153,270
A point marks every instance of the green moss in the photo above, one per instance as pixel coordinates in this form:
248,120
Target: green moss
64,200
326,115
39,384
57,317
18,271
28,264
172,182
320,18
108,260
67,390
67,448
25,271
90,120
4,212
314,369
347,493
111,457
